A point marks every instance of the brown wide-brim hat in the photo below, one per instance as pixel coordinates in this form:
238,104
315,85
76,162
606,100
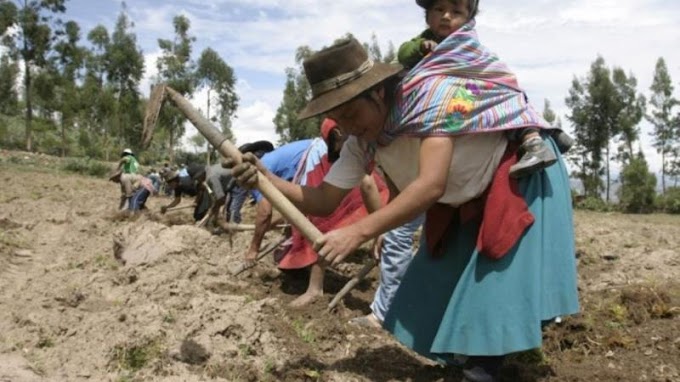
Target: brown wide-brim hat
339,73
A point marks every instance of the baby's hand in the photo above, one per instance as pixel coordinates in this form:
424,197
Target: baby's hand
427,46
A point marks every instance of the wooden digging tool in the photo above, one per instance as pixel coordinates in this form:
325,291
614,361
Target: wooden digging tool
243,266
352,283
179,208
234,227
227,149
208,216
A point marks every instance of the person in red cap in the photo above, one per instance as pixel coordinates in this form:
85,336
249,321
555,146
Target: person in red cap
310,169
367,198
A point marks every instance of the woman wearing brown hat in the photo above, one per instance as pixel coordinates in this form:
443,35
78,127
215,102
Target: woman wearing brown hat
498,254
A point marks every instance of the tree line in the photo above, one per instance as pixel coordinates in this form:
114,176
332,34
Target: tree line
79,100
605,111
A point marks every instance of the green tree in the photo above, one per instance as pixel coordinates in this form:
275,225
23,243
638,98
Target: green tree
297,93
631,112
68,62
661,117
639,194
34,20
550,116
589,129
218,78
391,55
176,69
98,100
9,97
373,48
124,63
601,109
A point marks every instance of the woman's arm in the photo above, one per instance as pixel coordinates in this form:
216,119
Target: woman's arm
370,194
435,160
318,201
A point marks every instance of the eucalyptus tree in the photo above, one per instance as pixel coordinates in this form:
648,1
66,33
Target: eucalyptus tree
666,132
9,97
296,94
34,21
218,78
68,61
176,69
98,100
631,112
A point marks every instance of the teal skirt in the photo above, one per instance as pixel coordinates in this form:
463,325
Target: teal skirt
465,303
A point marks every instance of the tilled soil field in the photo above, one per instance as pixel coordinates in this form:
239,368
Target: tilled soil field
72,310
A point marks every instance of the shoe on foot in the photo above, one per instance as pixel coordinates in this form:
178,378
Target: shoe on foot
563,141
537,156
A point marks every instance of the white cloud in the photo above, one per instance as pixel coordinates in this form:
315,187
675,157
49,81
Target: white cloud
150,72
254,122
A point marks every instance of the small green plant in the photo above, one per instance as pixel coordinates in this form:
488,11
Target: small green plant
618,312
106,262
135,356
246,350
305,334
169,318
268,366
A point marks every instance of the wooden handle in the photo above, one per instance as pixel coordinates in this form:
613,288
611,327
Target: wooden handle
352,283
226,148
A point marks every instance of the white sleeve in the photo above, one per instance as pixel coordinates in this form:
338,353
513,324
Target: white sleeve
348,171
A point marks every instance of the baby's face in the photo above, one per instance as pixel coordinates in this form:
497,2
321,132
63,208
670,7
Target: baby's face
446,16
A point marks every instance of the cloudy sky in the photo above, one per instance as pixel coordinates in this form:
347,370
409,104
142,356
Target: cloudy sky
546,42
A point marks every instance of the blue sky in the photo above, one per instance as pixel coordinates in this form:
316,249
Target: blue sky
546,42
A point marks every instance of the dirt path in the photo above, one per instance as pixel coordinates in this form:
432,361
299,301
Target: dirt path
71,311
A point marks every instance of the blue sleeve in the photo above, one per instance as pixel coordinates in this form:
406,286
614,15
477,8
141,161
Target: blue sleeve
257,195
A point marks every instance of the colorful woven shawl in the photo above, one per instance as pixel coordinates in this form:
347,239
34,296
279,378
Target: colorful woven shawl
460,88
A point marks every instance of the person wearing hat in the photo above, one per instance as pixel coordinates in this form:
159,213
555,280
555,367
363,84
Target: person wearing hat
127,166
185,185
142,188
368,197
301,162
497,257
282,161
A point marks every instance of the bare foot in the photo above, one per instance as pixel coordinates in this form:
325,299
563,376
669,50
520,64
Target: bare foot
367,321
306,299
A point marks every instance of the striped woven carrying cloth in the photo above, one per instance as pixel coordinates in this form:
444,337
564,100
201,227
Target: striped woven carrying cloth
460,88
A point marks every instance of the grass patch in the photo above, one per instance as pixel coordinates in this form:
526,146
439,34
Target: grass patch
134,356
608,318
304,332
106,262
87,167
